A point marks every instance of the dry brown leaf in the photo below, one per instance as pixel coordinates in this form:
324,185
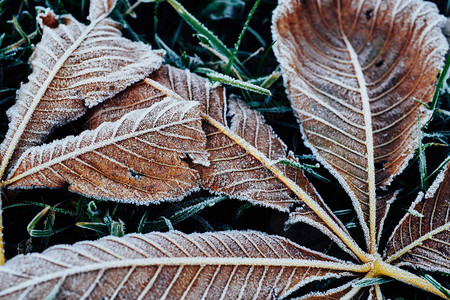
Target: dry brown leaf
235,172
234,169
422,239
181,83
353,71
138,158
74,66
173,265
346,291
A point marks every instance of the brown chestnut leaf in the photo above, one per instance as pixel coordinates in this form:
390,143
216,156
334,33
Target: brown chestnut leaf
137,158
74,66
243,154
173,265
422,239
356,72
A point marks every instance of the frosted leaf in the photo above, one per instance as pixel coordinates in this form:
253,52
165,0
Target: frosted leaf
234,170
353,72
98,8
230,264
423,240
138,158
345,290
74,66
166,81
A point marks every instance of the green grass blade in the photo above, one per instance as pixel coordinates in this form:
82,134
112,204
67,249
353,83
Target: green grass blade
225,79
372,281
97,227
182,214
241,35
422,159
440,84
437,285
202,29
36,219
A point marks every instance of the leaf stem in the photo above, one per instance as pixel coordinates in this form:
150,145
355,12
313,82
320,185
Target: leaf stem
363,256
383,268
270,165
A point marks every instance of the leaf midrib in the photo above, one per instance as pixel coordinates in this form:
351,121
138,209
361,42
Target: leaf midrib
365,101
190,261
269,164
95,146
37,99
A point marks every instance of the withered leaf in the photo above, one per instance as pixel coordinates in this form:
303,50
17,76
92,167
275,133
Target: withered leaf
243,154
346,291
137,158
180,84
354,73
422,239
74,66
173,265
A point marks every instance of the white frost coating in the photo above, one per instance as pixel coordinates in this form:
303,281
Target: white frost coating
144,128
437,182
429,194
58,70
100,7
286,52
328,294
175,249
383,218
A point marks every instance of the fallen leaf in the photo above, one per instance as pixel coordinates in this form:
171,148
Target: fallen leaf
243,155
423,240
74,66
231,264
355,74
138,158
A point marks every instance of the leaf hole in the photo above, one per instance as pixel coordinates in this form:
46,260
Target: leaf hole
379,63
369,14
135,175
379,165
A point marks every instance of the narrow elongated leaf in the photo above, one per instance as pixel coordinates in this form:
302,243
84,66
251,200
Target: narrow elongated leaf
423,239
231,265
74,66
243,155
138,158
353,71
346,291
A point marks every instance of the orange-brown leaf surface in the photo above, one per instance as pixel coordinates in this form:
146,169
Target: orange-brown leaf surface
346,291
74,66
138,158
234,169
173,265
422,239
354,71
